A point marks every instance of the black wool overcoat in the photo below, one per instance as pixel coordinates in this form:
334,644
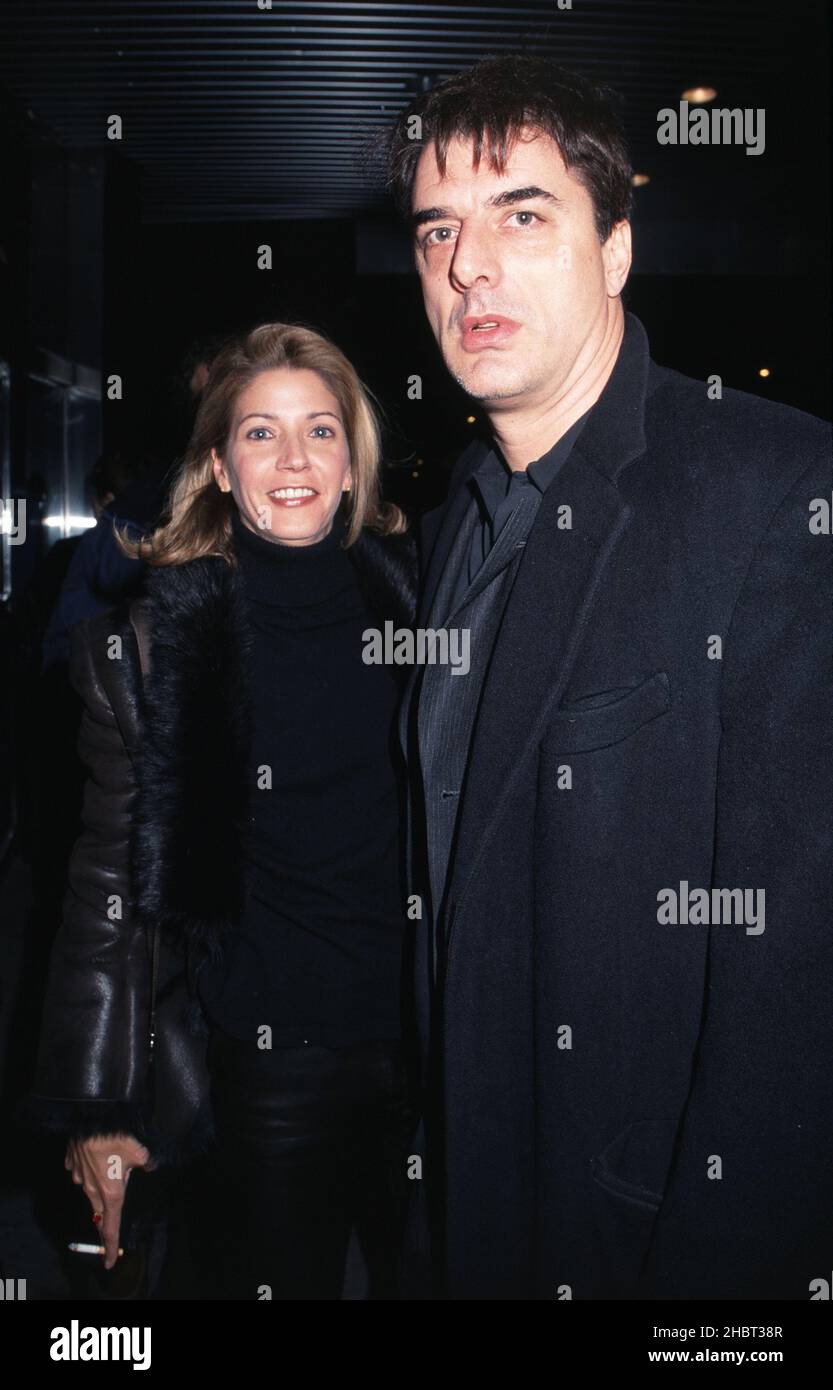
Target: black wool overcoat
632,1106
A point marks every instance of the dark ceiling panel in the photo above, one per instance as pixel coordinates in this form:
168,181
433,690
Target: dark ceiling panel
234,112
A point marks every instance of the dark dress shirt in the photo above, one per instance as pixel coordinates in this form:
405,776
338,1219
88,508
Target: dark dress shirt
497,491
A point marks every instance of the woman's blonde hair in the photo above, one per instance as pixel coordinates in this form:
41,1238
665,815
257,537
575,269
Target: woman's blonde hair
197,519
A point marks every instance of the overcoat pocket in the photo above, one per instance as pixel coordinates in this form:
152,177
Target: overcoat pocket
635,1164
608,716
629,1180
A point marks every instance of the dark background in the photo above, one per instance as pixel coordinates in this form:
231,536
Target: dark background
244,127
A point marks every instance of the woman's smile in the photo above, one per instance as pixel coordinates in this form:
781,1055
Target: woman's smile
292,496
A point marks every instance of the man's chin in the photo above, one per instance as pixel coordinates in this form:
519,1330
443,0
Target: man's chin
491,381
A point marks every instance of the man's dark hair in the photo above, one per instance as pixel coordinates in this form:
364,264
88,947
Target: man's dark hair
491,101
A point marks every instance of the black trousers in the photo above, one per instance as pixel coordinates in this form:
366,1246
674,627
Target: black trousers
312,1143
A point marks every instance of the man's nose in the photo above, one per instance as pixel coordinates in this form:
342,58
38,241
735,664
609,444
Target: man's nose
474,259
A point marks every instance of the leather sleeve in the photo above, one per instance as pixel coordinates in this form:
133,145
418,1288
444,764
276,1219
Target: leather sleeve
91,1062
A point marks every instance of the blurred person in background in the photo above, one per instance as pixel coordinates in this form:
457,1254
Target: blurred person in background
124,492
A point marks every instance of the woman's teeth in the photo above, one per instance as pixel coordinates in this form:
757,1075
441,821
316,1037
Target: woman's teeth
292,494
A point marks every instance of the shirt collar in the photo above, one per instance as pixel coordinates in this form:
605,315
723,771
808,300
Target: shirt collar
493,479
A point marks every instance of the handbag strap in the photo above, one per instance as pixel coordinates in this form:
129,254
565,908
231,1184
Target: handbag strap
142,635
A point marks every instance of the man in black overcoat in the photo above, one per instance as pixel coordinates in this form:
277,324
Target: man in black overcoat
623,952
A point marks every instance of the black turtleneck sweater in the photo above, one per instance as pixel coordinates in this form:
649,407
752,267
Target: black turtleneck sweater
318,954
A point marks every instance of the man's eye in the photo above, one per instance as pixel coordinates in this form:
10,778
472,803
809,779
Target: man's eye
436,232
524,212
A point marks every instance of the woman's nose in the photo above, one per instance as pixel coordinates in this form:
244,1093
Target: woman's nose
293,459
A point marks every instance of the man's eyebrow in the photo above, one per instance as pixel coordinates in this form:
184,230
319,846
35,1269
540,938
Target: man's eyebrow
498,200
520,195
428,215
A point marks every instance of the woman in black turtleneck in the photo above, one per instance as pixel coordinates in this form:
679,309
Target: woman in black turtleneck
266,853
320,945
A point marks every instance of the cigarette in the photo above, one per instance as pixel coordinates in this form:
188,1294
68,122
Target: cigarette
84,1249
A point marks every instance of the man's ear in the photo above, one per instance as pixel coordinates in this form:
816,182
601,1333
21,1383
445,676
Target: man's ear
617,256
220,475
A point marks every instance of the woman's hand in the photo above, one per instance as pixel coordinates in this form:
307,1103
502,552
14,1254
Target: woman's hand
91,1162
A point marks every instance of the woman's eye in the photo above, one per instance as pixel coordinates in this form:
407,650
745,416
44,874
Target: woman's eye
259,431
325,428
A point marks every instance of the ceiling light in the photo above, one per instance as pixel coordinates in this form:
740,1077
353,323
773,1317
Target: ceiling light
69,523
